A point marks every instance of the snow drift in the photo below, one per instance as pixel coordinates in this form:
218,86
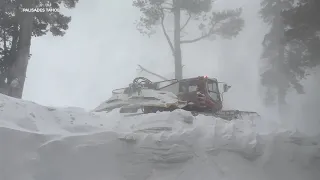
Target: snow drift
45,143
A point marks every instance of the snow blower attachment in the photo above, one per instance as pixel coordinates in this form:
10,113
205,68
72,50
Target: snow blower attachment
199,95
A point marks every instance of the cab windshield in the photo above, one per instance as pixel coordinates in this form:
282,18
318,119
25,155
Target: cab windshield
213,90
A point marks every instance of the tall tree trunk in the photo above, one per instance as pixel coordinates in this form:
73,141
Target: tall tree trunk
282,81
177,48
19,67
12,54
3,68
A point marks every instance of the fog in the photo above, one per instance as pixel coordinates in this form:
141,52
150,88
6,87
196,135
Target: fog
102,48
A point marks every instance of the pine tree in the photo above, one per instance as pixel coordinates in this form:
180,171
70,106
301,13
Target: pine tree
304,30
282,69
18,28
226,23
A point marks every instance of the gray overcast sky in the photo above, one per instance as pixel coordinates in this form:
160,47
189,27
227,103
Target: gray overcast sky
81,68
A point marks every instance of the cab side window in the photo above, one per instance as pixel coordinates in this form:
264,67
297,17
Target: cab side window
183,87
174,88
193,88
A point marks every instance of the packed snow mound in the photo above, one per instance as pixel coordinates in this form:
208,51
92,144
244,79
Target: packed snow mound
147,97
39,142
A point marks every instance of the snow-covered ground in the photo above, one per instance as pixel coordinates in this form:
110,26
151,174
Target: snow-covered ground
44,143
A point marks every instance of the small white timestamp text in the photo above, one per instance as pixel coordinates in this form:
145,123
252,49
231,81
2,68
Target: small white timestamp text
39,10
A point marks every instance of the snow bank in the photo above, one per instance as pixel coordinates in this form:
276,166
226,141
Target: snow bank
44,143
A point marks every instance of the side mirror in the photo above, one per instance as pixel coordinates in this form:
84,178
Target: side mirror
226,87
